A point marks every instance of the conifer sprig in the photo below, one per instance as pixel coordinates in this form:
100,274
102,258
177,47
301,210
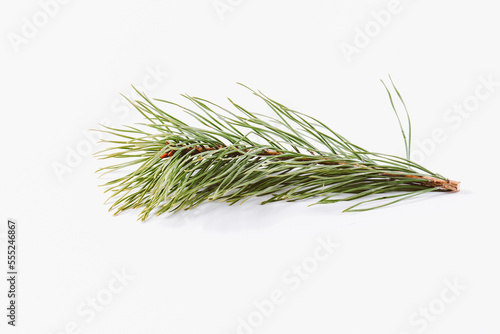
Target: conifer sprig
236,154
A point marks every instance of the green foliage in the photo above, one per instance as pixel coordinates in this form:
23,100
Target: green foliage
235,155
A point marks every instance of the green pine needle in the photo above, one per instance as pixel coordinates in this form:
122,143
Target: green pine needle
171,165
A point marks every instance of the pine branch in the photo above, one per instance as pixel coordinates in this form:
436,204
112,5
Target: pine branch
236,155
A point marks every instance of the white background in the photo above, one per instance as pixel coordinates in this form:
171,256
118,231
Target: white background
203,271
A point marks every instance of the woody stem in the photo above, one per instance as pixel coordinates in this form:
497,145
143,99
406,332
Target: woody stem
445,185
